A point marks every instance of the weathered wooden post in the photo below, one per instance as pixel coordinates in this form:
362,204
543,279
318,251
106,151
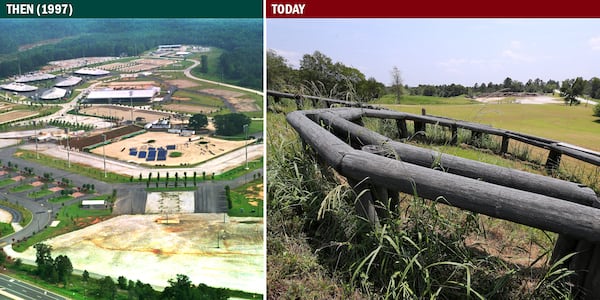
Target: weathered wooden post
553,160
454,129
402,130
299,102
504,146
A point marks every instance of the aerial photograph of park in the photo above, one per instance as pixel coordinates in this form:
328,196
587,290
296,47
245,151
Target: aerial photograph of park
433,158
131,159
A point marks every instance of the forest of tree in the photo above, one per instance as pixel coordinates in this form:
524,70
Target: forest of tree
240,40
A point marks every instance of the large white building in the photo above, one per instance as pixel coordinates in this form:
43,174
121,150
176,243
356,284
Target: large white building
122,96
53,94
91,72
71,81
19,87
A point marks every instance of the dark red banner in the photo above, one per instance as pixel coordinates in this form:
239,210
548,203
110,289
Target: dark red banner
431,9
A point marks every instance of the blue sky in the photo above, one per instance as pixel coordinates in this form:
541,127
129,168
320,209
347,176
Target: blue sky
444,51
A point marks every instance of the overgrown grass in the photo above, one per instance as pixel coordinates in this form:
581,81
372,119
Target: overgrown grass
21,188
318,247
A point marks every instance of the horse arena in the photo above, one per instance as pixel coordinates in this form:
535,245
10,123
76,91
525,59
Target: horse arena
192,152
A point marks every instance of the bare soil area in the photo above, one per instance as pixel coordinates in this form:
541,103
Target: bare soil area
201,246
124,113
189,108
191,152
183,83
16,115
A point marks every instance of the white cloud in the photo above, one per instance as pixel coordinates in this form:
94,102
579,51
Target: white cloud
594,42
293,58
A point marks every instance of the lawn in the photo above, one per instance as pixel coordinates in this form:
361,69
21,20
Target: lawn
570,124
40,193
71,218
21,188
76,168
5,182
255,126
6,229
423,100
246,200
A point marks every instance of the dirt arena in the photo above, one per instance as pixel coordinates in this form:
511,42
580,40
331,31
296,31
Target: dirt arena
183,83
191,152
229,255
124,112
240,104
16,115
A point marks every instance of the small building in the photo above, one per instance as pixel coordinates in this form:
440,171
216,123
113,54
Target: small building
93,204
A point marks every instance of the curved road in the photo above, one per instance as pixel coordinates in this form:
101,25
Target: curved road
188,73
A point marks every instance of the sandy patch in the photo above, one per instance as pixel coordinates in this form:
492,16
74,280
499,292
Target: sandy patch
37,183
201,246
5,217
192,152
253,203
77,194
244,105
18,178
55,189
3,173
182,83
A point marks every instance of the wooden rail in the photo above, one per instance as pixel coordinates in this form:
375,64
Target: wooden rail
383,167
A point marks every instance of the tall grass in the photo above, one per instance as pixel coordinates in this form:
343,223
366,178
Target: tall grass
318,248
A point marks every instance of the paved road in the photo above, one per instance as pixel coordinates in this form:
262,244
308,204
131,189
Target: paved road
11,288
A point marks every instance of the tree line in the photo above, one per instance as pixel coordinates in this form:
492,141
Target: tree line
317,74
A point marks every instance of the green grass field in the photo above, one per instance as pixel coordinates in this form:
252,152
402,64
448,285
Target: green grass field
5,182
423,100
20,188
198,99
6,229
40,193
571,124
241,198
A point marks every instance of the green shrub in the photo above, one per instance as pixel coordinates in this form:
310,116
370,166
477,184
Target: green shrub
175,154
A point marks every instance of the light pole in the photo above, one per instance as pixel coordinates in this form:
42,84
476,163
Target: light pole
68,152
37,155
104,153
246,143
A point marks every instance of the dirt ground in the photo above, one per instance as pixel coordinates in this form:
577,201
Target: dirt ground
188,108
124,112
183,83
16,115
229,255
5,217
244,105
192,152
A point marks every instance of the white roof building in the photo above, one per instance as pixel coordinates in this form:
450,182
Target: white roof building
90,71
19,87
34,77
53,93
71,81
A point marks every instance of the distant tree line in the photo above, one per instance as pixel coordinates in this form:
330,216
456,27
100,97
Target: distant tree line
239,39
